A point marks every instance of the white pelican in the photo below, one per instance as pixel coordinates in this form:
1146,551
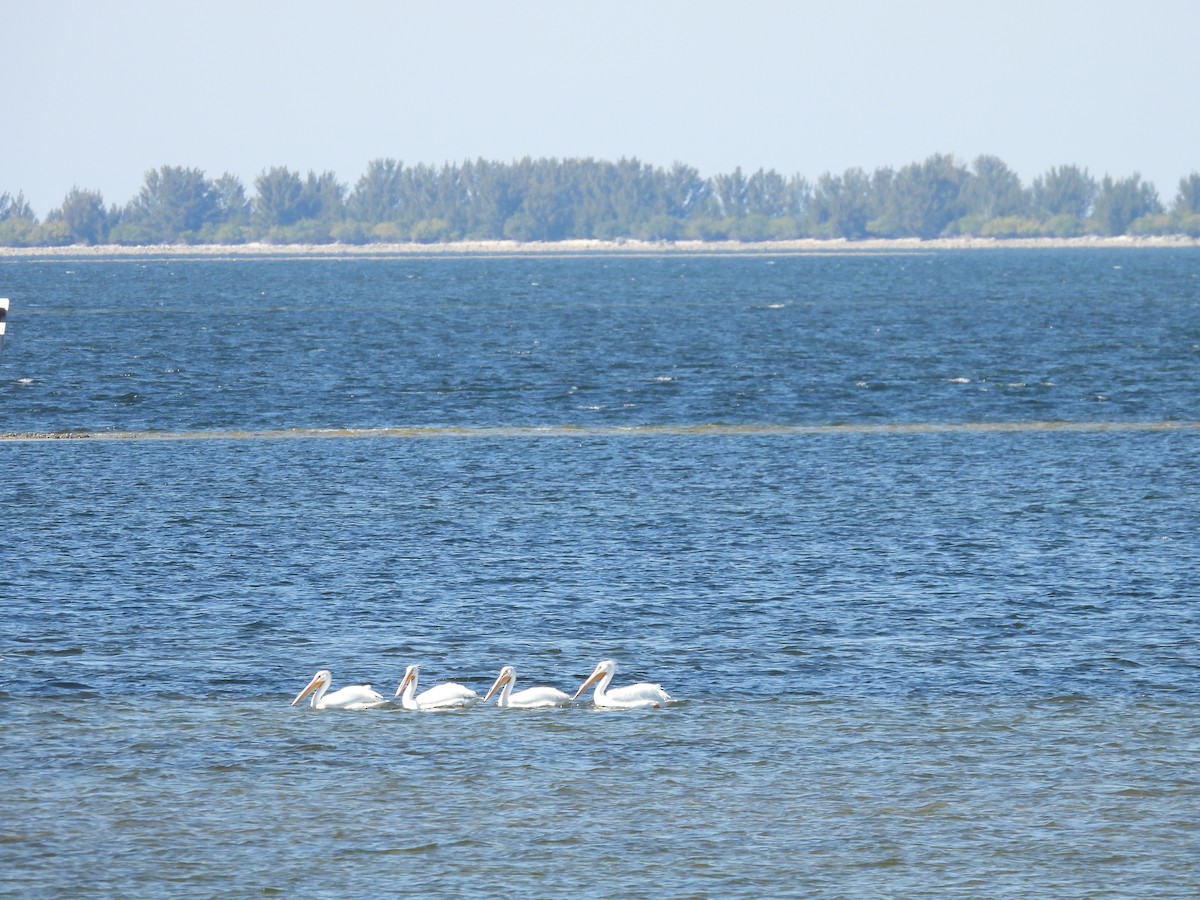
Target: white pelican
354,696
530,698
636,696
442,696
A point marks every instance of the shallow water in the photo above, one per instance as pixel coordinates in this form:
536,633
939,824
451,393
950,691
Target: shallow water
927,640
757,797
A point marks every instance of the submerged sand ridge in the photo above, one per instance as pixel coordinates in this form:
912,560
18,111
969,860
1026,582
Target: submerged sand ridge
608,431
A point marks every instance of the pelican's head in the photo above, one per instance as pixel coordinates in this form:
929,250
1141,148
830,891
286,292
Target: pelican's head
410,677
321,679
507,676
604,669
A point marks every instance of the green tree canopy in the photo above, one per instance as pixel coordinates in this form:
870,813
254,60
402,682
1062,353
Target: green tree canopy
842,203
493,195
232,205
1187,198
993,189
1064,191
730,193
684,192
84,216
322,197
173,201
377,193
1120,202
15,207
928,196
546,210
771,195
279,197
556,199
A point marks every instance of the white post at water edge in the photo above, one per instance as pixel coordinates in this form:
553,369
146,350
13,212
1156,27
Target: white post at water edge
3,320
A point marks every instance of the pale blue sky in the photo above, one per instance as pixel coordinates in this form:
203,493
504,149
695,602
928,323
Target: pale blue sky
96,94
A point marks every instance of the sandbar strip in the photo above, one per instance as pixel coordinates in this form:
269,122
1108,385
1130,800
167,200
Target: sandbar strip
810,246
602,431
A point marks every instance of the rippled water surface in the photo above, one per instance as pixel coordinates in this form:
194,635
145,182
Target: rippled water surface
911,538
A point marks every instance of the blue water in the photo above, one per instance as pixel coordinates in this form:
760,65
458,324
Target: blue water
913,539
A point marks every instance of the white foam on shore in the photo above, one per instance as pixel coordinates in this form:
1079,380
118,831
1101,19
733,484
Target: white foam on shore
814,246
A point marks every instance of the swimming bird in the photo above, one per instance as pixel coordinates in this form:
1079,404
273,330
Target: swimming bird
635,696
443,696
530,698
354,696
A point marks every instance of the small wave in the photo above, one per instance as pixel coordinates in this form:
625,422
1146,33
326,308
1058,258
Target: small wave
397,851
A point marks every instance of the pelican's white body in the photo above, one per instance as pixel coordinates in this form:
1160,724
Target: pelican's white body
354,696
635,696
529,698
442,696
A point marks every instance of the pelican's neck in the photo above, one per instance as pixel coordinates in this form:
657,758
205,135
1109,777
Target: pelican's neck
602,687
408,699
318,696
505,693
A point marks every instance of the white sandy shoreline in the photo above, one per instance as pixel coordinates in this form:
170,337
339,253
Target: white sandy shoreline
629,247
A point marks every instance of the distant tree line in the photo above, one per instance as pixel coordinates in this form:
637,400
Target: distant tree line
553,199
